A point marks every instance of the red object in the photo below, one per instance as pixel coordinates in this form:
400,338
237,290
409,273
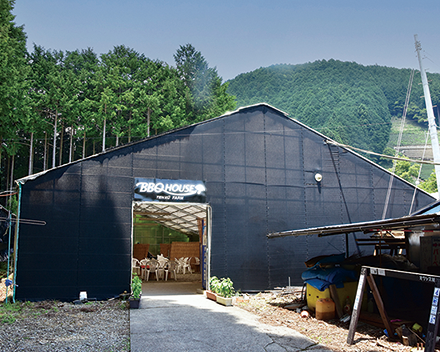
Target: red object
211,295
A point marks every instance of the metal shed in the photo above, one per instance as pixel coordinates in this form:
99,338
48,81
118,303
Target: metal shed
263,172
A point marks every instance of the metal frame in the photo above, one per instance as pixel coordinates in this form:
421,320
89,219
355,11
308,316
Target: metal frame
177,216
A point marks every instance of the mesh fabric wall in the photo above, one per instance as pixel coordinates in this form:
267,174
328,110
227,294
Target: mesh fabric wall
259,169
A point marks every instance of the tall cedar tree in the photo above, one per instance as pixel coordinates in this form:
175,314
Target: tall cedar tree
13,71
208,97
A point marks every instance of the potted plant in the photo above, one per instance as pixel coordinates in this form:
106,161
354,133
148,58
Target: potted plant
213,287
225,291
136,291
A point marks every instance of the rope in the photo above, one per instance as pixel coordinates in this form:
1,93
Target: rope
345,203
25,221
381,155
418,176
399,141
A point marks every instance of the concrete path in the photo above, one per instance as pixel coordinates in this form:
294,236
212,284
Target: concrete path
173,317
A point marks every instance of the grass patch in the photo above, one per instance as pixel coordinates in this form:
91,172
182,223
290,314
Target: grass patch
11,312
414,135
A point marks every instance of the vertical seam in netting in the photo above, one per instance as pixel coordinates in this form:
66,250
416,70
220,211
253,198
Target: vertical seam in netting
373,193
132,201
266,203
304,191
202,162
341,195
79,221
225,254
344,239
180,159
156,162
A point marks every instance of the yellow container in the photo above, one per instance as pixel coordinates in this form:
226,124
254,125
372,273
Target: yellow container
325,309
349,289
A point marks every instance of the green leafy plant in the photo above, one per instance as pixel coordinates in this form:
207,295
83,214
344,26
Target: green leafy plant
136,286
214,283
226,287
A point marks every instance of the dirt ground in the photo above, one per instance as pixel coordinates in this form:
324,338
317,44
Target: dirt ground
270,307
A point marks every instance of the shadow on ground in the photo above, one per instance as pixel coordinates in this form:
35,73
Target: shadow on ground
173,317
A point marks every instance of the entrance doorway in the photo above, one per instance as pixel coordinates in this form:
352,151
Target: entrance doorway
173,231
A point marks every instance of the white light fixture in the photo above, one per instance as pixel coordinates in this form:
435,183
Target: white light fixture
318,177
83,296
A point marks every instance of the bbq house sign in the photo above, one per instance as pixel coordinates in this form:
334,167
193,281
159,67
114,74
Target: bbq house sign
164,190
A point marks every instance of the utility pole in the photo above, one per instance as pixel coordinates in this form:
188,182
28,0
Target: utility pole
430,113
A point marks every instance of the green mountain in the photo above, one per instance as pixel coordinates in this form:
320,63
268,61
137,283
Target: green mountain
348,102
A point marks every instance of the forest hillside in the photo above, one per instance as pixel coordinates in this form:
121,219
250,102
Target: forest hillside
349,102
60,106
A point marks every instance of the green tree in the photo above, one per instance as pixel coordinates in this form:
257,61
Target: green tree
430,185
386,162
206,96
13,84
53,92
80,67
340,99
407,170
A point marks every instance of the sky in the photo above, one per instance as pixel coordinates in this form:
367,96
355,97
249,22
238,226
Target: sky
238,36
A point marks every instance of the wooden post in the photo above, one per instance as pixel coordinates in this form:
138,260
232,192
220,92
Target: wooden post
380,306
335,297
357,306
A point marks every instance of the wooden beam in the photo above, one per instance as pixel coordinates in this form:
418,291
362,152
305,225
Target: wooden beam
144,213
380,306
357,306
335,297
137,224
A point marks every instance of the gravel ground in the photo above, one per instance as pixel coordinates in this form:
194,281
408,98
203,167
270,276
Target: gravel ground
58,326
105,327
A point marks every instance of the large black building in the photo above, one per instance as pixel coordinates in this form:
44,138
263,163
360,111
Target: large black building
263,173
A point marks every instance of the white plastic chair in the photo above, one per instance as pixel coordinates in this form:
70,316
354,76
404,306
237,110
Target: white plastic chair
187,265
171,267
152,267
161,267
162,261
179,263
143,264
136,267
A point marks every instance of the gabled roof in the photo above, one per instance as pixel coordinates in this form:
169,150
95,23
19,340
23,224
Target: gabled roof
112,149
239,110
